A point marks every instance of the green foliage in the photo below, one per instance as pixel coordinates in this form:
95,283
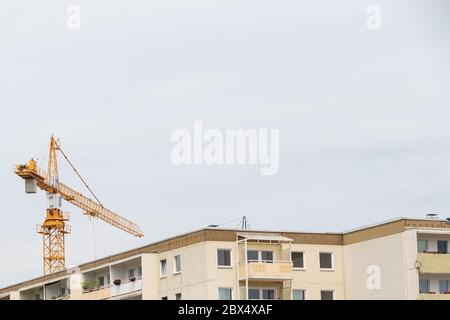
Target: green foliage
90,284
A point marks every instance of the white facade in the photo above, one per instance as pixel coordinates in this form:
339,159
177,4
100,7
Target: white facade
375,263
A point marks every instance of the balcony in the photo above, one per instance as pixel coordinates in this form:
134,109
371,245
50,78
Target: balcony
433,262
126,288
276,270
100,294
433,296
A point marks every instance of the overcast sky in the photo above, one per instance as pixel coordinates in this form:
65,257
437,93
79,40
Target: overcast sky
363,115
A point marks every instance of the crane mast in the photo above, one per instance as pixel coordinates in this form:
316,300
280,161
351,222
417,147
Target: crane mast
55,227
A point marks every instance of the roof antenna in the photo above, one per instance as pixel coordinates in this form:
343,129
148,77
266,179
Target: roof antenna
244,224
432,216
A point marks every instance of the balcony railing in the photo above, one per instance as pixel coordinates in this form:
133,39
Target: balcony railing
97,294
433,296
269,269
126,287
433,262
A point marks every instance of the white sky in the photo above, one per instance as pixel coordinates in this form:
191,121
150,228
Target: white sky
363,115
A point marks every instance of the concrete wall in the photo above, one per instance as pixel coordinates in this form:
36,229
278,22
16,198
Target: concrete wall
201,277
312,279
150,276
191,281
380,259
76,289
14,295
411,272
220,277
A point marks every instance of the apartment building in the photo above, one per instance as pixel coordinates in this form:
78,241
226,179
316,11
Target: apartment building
399,259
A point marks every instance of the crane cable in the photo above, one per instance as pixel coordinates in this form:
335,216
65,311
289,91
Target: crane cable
94,244
79,176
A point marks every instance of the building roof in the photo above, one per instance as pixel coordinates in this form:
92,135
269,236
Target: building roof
264,237
374,231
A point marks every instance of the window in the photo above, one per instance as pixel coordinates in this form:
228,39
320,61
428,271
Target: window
298,294
252,255
443,286
130,273
178,296
297,259
163,267
261,293
253,294
260,256
225,293
164,298
224,258
326,295
326,260
140,272
177,264
268,294
267,256
101,281
422,246
442,246
424,286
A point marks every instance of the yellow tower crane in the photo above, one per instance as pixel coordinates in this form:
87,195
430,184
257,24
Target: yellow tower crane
55,227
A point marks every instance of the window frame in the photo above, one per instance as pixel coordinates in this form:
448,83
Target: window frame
224,288
161,274
231,258
175,271
332,261
333,292
261,293
252,260
266,260
447,284
304,260
304,294
426,245
428,286
102,282
446,246
260,260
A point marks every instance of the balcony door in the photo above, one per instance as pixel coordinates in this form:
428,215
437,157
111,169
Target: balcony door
443,286
424,285
422,246
260,256
442,246
261,294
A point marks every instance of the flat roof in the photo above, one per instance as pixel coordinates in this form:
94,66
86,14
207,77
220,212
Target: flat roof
264,237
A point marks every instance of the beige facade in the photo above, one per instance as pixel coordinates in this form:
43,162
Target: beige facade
377,262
